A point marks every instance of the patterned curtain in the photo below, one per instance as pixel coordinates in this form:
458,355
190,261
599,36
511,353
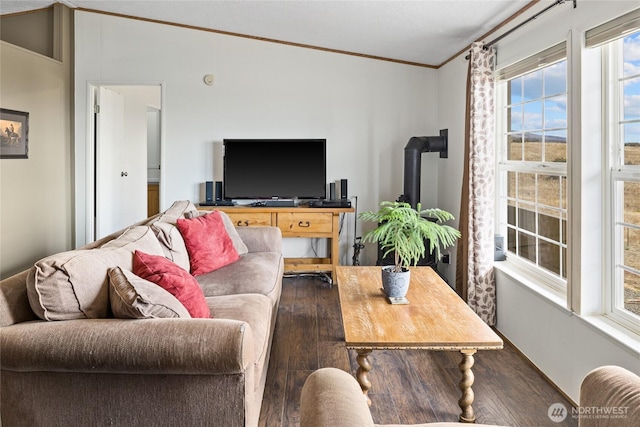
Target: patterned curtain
475,281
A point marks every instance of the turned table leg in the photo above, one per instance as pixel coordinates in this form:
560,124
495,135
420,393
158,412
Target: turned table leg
467,415
362,374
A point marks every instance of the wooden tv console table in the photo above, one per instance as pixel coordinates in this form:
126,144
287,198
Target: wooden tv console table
295,222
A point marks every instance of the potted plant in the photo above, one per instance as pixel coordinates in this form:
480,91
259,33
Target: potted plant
402,230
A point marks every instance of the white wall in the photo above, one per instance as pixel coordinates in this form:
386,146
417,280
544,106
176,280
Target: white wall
452,81
36,214
564,345
366,109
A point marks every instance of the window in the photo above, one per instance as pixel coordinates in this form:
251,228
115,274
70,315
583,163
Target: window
532,99
622,142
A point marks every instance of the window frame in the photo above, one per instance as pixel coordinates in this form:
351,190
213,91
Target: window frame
547,58
616,172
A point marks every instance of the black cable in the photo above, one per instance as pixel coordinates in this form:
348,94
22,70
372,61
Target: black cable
357,240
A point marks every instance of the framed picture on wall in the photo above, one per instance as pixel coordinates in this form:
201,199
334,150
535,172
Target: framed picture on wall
14,134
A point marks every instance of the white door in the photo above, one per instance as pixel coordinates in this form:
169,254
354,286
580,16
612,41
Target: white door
121,162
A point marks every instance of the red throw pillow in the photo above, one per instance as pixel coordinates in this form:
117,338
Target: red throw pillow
208,243
173,278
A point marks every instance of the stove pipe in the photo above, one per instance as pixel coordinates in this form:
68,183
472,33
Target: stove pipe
412,156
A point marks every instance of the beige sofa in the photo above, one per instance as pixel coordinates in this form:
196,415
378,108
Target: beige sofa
105,371
609,397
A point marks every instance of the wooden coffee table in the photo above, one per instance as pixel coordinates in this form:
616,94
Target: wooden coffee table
436,318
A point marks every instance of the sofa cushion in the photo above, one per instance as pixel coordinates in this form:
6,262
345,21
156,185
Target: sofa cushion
169,235
173,278
133,297
177,210
75,285
253,273
256,310
208,243
172,243
228,225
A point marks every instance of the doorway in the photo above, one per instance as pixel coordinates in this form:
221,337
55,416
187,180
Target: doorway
126,155
153,161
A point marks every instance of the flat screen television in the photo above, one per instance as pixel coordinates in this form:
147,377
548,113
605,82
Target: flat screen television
274,169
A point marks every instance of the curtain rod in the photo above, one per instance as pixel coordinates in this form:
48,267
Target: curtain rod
523,23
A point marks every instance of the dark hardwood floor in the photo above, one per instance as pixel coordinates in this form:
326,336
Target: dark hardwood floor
409,387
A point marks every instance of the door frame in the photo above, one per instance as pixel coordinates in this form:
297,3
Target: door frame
90,158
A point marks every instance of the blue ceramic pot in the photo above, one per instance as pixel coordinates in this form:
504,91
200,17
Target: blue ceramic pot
395,285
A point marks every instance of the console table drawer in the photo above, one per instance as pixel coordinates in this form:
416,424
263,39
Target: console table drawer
301,223
247,219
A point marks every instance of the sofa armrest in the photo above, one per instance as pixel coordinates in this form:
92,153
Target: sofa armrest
261,238
14,301
606,389
153,346
331,397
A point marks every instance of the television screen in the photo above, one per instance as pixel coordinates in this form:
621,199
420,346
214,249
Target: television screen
274,168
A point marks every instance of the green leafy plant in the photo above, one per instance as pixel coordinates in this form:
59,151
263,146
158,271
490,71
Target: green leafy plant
403,230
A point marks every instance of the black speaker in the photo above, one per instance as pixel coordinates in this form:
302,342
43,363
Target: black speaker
218,191
343,188
332,191
208,191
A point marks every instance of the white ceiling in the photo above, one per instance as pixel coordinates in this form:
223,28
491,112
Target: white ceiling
421,31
